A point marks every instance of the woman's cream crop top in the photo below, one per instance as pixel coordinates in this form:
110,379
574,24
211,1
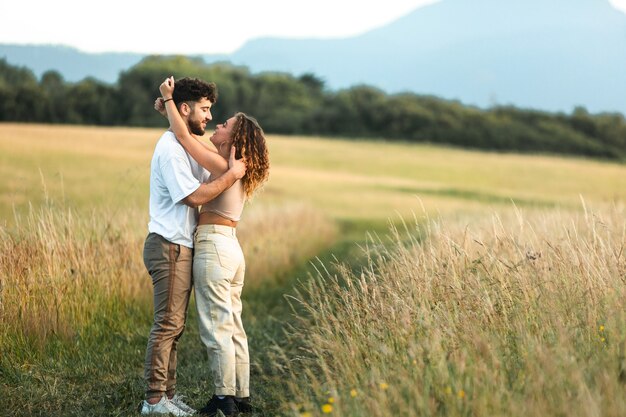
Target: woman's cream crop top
229,204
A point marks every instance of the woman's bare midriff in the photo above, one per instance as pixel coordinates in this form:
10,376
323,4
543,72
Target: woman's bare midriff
214,218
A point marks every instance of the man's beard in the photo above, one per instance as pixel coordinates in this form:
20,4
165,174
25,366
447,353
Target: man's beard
196,127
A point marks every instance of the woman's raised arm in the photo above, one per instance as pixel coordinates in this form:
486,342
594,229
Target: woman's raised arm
205,156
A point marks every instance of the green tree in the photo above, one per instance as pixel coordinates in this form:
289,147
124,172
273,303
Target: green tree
92,102
55,89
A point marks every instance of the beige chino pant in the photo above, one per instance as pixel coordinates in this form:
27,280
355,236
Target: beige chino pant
169,266
218,274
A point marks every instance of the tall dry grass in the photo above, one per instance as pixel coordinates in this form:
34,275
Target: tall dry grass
61,272
520,315
275,240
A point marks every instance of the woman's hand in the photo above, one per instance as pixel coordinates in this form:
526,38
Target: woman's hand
167,88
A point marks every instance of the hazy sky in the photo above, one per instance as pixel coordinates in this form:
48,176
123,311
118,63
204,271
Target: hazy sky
158,26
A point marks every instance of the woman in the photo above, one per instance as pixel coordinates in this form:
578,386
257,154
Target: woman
218,263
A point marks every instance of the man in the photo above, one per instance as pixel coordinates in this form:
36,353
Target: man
177,188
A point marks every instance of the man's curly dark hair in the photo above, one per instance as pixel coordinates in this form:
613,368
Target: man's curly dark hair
191,90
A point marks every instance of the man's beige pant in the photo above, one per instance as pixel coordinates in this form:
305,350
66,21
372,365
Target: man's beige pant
218,273
169,266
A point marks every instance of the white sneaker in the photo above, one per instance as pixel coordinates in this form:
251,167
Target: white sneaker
178,402
163,407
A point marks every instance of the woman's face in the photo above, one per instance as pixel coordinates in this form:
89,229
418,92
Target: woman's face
223,133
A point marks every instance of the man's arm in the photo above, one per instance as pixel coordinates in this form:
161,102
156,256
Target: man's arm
208,191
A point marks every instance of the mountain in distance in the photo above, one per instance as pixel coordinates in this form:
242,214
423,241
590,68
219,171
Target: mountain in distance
73,64
546,54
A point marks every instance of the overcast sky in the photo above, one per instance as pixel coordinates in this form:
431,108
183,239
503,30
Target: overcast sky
156,26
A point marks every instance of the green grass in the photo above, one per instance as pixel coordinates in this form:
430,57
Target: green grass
89,191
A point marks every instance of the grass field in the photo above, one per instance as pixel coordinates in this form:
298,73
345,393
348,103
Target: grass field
95,169
445,318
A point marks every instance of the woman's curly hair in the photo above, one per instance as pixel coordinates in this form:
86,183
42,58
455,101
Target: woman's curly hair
249,141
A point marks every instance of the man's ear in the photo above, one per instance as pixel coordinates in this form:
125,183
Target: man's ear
185,109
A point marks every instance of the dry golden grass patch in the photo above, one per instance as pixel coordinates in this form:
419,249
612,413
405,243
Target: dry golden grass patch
59,270
520,314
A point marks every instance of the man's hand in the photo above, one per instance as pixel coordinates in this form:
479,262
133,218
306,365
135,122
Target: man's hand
208,191
160,106
238,166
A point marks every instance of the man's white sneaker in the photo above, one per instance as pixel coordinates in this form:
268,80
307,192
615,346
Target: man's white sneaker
163,407
178,402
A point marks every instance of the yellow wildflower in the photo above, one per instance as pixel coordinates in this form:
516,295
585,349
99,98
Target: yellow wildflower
331,400
601,328
353,393
327,408
461,393
383,386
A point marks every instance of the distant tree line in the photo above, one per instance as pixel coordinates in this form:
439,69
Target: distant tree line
288,104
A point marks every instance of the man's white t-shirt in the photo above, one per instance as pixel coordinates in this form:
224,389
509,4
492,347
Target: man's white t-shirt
174,174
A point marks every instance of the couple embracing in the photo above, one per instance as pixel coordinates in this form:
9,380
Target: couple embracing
187,248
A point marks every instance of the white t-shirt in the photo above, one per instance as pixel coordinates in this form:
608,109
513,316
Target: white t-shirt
174,174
